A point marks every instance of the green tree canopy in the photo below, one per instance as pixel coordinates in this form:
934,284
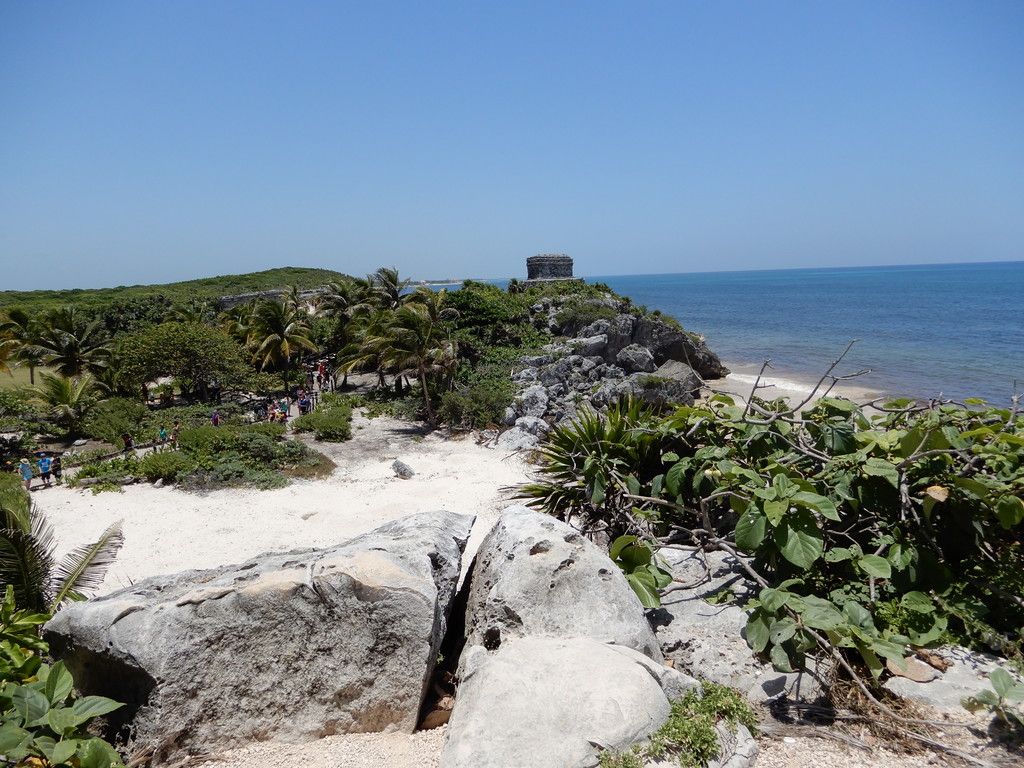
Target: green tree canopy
194,354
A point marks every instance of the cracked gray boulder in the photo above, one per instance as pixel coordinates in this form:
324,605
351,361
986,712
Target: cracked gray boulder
286,647
534,575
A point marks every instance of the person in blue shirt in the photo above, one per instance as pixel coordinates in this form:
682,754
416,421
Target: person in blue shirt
25,472
45,463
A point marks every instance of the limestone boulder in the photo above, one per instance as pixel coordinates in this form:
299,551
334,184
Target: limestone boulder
536,576
590,346
650,388
517,438
532,402
286,647
636,358
533,425
552,702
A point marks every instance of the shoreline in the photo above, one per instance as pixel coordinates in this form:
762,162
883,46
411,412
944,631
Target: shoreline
795,387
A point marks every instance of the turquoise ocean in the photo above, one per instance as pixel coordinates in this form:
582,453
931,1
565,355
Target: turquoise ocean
950,329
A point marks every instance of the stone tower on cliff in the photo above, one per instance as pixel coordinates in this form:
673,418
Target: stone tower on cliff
549,266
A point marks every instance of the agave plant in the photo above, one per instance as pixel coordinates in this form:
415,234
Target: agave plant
27,560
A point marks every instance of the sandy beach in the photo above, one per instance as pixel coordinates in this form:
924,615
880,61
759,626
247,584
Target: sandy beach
796,389
168,530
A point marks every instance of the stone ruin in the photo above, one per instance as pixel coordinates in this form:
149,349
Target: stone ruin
549,266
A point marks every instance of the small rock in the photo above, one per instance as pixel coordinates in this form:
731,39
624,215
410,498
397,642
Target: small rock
402,469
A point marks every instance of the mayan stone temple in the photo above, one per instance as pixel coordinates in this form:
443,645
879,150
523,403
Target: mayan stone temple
545,267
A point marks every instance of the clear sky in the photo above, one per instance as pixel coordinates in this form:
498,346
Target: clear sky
154,141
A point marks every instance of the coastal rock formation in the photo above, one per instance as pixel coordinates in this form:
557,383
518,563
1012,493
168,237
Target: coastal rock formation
536,576
284,647
600,361
549,702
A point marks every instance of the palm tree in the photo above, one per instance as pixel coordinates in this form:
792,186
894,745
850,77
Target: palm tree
192,311
418,343
388,287
21,331
370,344
27,561
237,322
71,344
67,400
279,332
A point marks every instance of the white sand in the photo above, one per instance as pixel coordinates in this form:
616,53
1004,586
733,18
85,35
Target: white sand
741,380
167,530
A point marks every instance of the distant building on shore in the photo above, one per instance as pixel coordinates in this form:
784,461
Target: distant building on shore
549,266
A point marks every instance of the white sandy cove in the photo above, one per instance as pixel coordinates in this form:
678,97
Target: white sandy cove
167,530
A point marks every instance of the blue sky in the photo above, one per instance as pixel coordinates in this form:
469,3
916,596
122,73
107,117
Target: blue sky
145,142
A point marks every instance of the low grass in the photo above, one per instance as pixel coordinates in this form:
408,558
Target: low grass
689,737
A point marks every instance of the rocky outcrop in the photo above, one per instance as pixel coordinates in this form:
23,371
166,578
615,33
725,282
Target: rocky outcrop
286,647
645,357
549,702
536,576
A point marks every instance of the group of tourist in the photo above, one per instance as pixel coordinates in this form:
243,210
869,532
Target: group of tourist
48,466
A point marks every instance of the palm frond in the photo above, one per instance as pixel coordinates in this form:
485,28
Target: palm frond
26,562
83,569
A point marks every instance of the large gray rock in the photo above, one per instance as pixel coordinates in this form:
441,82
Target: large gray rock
707,639
533,425
517,438
286,647
532,402
667,342
681,372
547,702
635,358
534,575
650,388
589,346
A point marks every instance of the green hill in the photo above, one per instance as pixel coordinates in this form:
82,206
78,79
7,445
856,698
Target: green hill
203,288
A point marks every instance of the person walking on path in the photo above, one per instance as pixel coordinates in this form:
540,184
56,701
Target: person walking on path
175,434
45,463
25,471
58,469
161,438
215,418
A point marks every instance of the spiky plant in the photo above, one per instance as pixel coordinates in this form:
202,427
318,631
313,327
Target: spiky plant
28,563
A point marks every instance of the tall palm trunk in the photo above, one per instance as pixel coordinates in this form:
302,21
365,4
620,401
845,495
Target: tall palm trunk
427,405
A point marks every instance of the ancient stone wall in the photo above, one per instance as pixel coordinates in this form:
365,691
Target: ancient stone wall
549,266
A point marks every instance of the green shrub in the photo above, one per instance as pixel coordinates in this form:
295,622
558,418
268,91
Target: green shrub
475,406
114,417
577,314
875,530
689,735
330,422
168,466
41,719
